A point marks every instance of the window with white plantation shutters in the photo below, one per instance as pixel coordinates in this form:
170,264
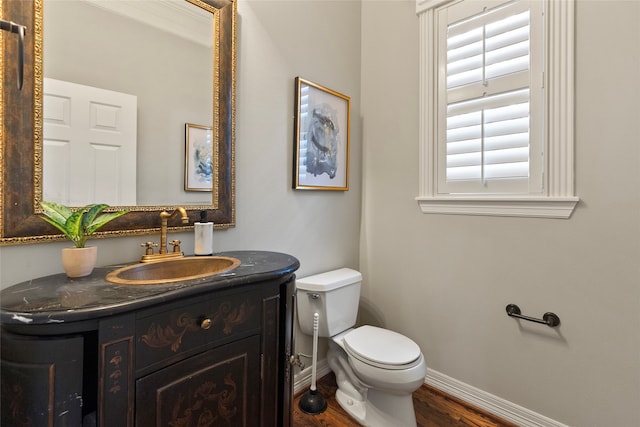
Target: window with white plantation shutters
490,96
496,107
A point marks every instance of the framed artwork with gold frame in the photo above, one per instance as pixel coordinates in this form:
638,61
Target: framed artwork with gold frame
200,158
321,138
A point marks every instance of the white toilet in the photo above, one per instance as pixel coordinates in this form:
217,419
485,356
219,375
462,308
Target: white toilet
377,370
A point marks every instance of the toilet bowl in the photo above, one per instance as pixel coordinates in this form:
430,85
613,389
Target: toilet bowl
376,369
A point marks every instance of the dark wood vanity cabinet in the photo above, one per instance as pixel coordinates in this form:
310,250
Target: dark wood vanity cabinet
193,362
218,357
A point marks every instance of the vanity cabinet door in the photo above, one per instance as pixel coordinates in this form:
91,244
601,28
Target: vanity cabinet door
277,335
287,345
218,387
41,381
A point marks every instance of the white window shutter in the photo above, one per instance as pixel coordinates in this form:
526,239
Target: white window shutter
487,98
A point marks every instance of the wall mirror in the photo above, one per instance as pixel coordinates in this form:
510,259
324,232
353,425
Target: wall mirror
192,84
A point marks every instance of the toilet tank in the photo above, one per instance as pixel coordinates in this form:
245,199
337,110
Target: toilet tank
334,295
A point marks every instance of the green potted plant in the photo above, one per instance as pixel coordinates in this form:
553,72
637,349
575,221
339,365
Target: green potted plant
78,224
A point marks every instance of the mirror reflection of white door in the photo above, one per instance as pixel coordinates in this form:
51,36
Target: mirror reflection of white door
89,153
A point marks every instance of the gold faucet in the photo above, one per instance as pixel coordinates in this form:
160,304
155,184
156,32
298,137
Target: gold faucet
163,254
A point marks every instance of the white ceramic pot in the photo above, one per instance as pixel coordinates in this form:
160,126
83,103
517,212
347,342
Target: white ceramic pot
79,262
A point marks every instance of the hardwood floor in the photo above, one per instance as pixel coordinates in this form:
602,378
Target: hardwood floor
433,409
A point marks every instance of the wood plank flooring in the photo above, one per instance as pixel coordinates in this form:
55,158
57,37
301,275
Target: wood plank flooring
433,409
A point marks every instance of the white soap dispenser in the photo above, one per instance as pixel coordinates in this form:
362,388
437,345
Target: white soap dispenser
203,236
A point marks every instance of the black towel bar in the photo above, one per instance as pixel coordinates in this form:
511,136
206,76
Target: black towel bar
549,319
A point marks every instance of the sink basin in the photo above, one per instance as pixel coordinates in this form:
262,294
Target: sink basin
175,270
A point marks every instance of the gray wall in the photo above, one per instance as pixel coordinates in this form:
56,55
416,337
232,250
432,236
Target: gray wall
445,280
587,373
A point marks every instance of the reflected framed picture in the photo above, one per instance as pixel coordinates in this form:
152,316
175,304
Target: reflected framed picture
321,138
199,158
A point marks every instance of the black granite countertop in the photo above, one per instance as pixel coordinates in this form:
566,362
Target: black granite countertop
57,299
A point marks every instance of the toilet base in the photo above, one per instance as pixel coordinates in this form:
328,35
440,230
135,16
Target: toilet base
379,409
355,408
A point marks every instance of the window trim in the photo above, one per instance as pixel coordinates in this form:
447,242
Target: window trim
558,199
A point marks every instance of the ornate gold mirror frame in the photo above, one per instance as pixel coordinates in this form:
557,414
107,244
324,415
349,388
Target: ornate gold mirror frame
21,132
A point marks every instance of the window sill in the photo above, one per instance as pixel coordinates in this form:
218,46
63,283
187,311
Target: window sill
528,207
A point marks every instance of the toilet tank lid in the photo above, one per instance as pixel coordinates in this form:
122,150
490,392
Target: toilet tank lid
330,280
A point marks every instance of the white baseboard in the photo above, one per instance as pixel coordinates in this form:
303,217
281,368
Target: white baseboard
493,404
502,408
303,379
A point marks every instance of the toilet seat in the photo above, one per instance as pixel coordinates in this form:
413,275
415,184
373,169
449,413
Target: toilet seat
382,348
